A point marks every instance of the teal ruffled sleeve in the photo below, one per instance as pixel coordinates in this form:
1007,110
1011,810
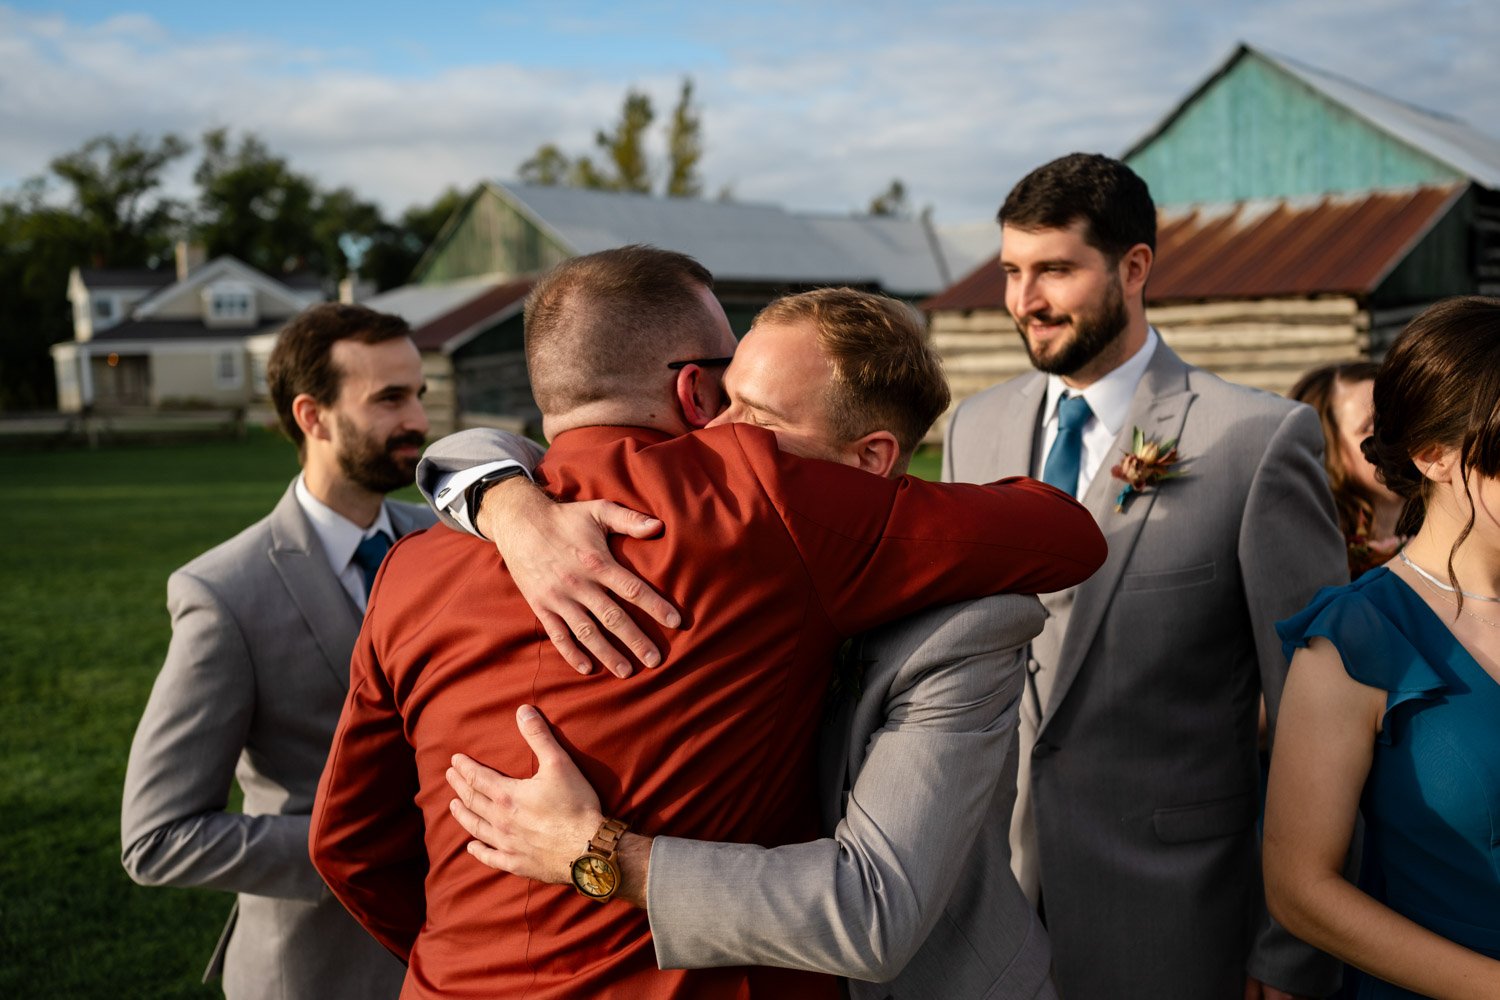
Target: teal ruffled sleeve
1374,649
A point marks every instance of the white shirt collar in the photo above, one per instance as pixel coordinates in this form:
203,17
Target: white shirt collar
1109,397
339,535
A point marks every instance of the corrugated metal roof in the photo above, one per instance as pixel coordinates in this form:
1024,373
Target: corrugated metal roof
421,304
1262,249
1472,153
493,305
899,252
740,241
968,244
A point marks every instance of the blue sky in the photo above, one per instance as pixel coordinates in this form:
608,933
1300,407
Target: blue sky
811,106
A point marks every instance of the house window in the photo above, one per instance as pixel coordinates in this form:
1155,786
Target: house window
229,303
104,309
228,370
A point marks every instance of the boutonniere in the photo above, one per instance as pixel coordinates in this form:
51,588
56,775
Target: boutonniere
1147,463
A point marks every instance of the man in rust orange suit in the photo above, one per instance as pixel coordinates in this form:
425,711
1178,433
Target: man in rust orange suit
773,559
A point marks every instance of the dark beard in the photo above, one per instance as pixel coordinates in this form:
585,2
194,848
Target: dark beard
372,465
1092,333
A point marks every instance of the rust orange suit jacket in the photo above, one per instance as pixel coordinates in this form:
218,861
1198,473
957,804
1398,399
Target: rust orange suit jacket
773,561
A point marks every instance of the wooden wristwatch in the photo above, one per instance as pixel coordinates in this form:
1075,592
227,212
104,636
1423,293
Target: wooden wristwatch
596,874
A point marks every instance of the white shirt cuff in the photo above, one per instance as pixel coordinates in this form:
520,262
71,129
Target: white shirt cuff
452,486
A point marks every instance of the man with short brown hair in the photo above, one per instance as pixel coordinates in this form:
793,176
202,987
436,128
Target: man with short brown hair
258,667
882,371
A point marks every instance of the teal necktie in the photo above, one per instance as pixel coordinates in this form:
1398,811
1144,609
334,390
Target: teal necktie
368,555
1066,457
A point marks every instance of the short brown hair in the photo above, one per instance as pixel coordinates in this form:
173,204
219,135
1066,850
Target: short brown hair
1111,199
604,324
884,374
302,361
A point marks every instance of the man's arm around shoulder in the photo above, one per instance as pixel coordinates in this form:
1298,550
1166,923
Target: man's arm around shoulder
945,688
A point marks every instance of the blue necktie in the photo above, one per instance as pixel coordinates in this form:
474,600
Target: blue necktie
368,556
1066,457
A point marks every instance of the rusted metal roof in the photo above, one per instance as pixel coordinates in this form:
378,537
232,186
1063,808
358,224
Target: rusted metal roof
1333,244
447,331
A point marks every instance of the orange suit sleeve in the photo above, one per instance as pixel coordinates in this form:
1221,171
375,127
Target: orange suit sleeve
366,838
877,549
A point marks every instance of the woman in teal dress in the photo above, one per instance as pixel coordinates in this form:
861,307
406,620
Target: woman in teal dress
1392,705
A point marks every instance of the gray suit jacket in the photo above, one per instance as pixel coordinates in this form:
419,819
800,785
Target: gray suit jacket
1140,766
913,892
252,687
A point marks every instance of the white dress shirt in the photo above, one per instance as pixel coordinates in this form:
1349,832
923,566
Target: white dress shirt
1109,398
340,537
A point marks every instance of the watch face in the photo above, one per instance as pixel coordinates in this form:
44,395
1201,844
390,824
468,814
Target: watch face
595,876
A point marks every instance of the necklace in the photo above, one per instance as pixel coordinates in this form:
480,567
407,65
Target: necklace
1440,585
1438,589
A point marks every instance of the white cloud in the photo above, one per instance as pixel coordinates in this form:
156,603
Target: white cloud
814,110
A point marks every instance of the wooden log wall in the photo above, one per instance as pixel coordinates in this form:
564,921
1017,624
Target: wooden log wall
441,399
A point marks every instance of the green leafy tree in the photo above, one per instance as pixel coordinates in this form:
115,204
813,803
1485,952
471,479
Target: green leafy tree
891,202
395,250
684,147
625,146
252,205
111,215
623,163
113,184
548,167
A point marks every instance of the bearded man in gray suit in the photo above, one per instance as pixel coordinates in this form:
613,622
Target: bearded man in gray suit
1135,829
258,668
910,895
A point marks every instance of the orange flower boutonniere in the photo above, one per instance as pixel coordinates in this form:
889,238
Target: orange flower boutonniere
1148,462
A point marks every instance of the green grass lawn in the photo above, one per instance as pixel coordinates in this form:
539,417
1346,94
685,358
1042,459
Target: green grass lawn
89,541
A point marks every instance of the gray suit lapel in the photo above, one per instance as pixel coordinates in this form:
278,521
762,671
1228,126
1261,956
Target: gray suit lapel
1016,427
406,518
303,567
1159,409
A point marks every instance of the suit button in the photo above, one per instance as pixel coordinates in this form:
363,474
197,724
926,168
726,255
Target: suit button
1042,750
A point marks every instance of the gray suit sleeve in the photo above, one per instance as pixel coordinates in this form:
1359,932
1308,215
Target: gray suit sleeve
173,826
862,902
1289,547
466,449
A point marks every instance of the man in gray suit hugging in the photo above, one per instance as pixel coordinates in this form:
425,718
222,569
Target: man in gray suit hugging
911,894
258,668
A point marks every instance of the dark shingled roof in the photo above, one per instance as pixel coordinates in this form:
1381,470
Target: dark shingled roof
126,277
1332,244
179,329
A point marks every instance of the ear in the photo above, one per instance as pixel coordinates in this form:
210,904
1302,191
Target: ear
698,396
308,413
877,452
1135,268
1437,462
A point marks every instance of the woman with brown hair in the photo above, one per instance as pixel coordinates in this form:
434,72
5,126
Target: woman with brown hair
1392,705
1342,394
